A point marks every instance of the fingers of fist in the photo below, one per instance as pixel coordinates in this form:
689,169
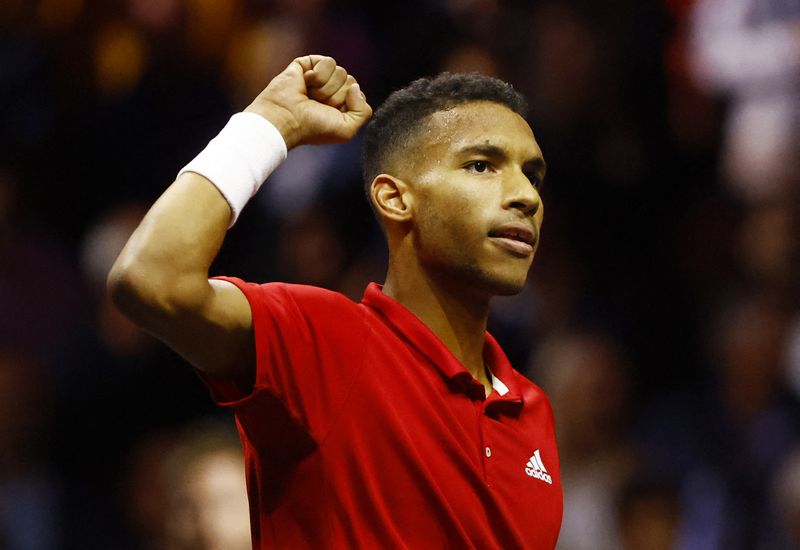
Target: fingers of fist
328,92
317,69
339,97
326,81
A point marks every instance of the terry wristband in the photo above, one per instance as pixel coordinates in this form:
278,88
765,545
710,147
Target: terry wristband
240,158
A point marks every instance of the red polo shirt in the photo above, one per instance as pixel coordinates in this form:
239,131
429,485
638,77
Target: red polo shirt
364,431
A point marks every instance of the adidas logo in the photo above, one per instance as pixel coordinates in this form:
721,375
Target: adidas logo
535,468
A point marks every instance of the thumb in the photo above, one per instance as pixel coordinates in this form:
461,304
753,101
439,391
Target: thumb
358,110
294,71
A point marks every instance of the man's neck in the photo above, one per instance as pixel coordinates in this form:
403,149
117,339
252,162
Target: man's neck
458,318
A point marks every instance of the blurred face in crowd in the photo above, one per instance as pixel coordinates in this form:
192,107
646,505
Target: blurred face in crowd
210,508
650,522
476,208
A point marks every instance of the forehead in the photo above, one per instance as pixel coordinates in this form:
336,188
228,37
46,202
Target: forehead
479,123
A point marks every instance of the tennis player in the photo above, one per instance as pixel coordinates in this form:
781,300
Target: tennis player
396,422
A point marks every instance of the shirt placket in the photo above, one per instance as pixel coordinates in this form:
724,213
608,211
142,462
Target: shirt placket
487,454
486,451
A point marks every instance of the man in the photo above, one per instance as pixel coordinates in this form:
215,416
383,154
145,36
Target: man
397,422
205,503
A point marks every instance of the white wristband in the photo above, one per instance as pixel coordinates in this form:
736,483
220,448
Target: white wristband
240,158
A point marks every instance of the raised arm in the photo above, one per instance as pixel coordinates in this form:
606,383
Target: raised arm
160,279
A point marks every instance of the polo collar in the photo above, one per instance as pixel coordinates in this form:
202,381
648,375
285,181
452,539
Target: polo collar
410,328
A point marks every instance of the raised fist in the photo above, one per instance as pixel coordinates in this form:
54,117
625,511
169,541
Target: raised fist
313,100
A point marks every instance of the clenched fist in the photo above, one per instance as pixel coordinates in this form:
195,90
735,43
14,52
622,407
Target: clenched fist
313,100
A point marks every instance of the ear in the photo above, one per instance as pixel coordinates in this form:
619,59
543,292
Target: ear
392,198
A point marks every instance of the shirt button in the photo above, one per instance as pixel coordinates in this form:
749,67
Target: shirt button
488,452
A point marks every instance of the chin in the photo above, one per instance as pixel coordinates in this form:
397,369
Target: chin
507,288
485,280
505,284
506,280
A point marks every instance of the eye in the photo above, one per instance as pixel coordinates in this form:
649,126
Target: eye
478,166
535,180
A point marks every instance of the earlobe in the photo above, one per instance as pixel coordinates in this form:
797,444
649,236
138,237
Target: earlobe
391,197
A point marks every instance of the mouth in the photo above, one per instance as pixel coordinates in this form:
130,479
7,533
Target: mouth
517,238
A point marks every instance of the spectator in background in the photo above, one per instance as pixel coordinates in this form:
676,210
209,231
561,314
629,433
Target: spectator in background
586,376
724,446
767,247
748,52
203,478
753,416
648,515
185,489
783,532
107,374
100,246
143,492
792,356
784,506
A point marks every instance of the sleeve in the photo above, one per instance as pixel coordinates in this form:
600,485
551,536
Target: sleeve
306,341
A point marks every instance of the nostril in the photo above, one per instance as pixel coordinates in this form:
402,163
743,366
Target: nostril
528,207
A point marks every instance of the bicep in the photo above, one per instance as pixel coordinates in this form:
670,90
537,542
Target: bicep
217,337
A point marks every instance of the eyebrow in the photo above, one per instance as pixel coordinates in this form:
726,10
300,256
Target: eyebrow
536,163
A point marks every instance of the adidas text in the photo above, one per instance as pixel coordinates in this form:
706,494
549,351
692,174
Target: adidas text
539,475
535,468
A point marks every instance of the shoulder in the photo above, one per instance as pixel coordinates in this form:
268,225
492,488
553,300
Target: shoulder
531,393
311,299
295,299
311,294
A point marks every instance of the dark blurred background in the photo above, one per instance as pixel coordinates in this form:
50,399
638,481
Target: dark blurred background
662,315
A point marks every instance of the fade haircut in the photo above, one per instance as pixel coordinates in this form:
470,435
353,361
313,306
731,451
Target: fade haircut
393,127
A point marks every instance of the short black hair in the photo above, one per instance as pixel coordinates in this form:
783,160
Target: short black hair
404,112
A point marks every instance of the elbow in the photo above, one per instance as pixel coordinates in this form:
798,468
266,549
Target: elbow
140,295
132,293
151,298
118,282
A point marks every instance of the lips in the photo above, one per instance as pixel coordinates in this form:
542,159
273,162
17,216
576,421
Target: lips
517,238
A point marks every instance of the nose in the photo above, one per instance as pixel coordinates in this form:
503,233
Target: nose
522,195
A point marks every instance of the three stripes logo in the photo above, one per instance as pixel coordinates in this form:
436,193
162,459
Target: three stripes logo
535,468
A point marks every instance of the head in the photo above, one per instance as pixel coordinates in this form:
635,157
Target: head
203,477
452,170
648,514
749,336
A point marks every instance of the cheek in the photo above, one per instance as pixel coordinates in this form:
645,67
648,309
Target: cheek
458,218
451,212
443,234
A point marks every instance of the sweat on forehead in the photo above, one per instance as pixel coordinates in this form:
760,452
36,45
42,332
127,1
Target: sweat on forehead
406,111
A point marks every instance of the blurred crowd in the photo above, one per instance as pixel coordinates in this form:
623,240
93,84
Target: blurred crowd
662,313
